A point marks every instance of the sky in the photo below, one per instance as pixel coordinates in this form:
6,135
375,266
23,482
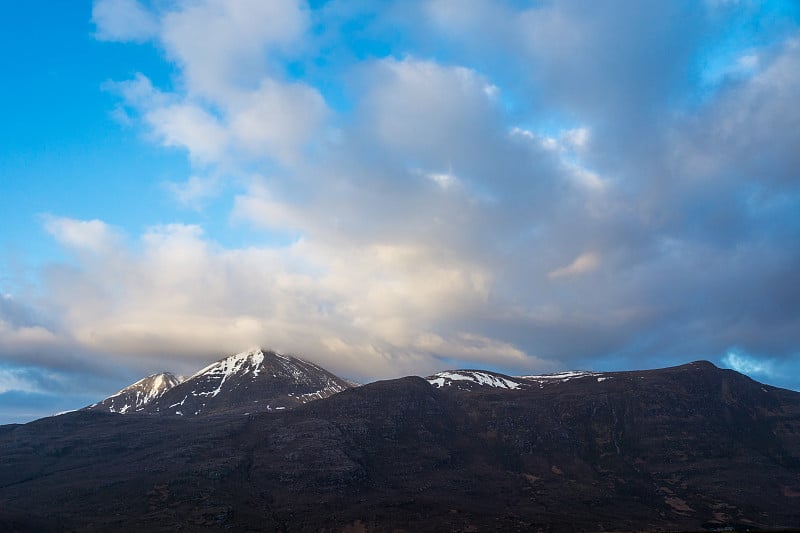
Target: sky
395,187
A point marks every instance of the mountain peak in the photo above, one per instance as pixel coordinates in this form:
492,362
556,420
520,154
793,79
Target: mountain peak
703,364
250,381
136,396
249,360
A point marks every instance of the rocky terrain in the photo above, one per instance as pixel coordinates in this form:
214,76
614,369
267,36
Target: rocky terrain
692,447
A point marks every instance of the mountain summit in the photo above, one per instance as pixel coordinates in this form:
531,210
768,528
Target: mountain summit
255,380
135,397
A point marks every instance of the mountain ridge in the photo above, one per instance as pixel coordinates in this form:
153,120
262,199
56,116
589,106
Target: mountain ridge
692,447
208,382
249,381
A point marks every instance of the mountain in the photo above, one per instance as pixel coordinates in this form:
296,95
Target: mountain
285,382
135,397
251,381
692,447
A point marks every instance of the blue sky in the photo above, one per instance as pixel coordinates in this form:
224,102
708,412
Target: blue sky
394,188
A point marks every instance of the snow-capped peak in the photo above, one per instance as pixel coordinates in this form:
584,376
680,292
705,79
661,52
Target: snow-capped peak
253,380
250,360
136,396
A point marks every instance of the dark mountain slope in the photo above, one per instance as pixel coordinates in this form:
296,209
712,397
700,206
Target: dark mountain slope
690,447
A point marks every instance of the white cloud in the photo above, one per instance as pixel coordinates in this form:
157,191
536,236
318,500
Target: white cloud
191,127
747,364
274,121
123,20
748,62
175,120
222,45
82,235
576,138
445,180
138,92
277,119
195,191
582,264
261,208
184,294
229,103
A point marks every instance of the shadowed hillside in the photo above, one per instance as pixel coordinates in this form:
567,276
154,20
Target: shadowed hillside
690,447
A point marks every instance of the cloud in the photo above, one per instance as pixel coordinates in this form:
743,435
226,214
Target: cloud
221,45
123,20
277,119
184,294
195,191
581,265
93,236
29,337
191,127
752,122
274,120
748,364
19,379
28,392
31,344
427,111
533,187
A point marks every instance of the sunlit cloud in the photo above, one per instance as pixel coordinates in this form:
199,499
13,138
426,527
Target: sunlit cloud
532,187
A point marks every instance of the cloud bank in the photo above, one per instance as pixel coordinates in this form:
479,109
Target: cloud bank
527,188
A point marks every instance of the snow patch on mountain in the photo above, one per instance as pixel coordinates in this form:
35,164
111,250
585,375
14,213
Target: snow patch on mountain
329,390
444,379
469,379
249,361
560,377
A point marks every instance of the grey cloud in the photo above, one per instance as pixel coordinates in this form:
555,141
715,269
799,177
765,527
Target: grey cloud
15,313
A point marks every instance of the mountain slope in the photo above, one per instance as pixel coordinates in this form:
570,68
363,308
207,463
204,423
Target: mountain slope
135,397
251,381
685,448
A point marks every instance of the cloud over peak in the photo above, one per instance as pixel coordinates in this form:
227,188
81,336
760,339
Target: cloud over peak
571,183
401,189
